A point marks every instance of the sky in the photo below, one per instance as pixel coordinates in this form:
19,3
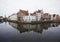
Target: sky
8,7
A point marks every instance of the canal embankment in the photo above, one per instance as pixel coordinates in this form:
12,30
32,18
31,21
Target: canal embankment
34,22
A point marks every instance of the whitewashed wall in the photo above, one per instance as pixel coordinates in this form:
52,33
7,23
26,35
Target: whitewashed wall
39,15
29,18
13,17
53,18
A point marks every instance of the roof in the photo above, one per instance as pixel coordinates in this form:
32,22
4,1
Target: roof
32,14
46,13
38,11
24,12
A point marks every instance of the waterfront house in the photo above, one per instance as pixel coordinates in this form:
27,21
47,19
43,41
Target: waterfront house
53,17
38,14
13,17
24,16
46,17
57,18
1,18
35,16
21,14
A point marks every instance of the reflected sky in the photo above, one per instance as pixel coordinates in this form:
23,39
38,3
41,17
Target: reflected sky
13,32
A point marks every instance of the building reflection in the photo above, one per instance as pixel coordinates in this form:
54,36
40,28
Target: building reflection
1,21
54,24
33,27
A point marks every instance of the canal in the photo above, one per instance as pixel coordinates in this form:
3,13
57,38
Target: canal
16,32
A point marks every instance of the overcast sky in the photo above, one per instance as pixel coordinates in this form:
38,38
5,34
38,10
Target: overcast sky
9,7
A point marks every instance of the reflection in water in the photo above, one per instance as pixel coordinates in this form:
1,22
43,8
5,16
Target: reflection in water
1,21
54,24
35,27
15,32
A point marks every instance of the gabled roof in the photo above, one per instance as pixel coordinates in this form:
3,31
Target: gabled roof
32,14
38,11
46,13
24,12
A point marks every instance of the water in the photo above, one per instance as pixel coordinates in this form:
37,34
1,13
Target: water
15,32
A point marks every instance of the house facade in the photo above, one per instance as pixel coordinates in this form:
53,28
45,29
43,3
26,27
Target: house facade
54,17
13,17
24,16
46,17
21,14
38,14
57,18
29,18
1,18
